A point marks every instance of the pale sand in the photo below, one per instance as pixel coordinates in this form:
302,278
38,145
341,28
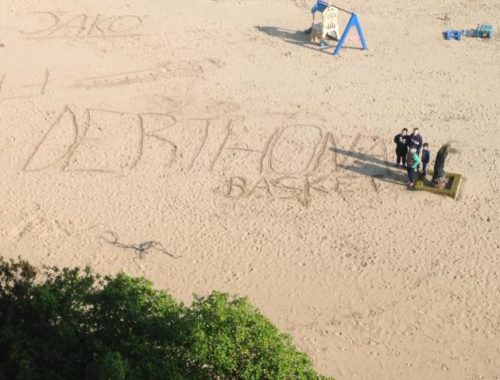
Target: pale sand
108,131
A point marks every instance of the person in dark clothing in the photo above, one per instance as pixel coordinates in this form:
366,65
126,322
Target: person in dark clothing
415,139
426,158
401,141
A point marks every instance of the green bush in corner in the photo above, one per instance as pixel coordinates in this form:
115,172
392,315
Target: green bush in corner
74,324
230,339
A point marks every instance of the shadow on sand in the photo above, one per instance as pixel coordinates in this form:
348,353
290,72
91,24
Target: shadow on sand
370,166
300,38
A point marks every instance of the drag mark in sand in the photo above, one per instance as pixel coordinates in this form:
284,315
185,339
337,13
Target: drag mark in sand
118,79
12,89
165,71
140,248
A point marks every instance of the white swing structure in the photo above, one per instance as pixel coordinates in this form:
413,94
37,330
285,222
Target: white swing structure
328,27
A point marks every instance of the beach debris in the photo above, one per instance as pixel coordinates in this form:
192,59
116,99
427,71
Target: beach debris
453,34
446,18
139,248
482,31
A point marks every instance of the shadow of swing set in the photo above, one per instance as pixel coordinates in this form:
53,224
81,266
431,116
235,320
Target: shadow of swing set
329,27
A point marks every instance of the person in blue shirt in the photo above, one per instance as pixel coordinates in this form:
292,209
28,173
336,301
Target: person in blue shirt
320,7
426,158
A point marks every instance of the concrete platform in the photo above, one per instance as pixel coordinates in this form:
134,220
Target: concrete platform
451,189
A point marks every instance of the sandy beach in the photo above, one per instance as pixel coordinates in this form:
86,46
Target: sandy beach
264,166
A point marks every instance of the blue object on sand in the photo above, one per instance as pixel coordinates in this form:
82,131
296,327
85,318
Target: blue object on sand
353,21
320,6
453,34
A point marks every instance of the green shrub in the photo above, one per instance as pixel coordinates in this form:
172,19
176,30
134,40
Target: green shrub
231,339
74,324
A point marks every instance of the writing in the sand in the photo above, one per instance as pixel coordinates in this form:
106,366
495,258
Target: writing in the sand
294,160
57,24
29,88
36,84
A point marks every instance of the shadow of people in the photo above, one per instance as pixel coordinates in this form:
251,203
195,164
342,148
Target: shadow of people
300,38
360,156
370,166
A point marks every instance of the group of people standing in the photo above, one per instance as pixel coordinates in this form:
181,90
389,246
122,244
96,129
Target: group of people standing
412,153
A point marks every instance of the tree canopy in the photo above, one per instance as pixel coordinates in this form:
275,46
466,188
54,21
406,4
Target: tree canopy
74,324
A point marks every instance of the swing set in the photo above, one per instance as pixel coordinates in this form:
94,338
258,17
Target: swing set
353,21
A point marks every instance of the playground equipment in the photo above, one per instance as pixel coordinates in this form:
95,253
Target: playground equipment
329,27
353,21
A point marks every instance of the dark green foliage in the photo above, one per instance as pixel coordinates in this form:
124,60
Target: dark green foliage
73,324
